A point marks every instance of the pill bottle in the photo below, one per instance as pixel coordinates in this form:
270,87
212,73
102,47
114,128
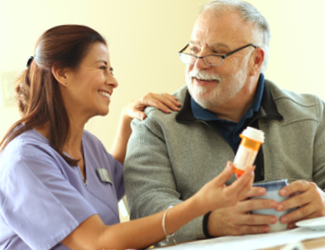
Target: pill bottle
252,139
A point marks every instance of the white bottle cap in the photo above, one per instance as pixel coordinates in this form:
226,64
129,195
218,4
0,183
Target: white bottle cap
254,134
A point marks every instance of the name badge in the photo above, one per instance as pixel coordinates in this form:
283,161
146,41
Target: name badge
103,175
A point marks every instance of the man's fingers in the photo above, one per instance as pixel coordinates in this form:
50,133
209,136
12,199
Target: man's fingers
296,186
295,201
298,214
254,229
311,216
257,219
256,204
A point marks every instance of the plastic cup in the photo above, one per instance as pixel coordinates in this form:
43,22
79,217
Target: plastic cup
272,193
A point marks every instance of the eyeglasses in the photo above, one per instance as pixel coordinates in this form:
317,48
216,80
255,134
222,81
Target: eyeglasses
210,60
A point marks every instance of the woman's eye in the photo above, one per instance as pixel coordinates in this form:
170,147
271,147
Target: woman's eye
111,71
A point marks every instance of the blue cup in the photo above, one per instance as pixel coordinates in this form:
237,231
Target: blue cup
272,193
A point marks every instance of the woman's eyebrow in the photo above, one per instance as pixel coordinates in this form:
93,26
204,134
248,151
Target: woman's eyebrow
102,61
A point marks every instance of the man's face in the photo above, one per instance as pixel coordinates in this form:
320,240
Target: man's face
212,86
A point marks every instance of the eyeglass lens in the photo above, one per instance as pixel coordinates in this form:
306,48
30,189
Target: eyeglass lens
209,59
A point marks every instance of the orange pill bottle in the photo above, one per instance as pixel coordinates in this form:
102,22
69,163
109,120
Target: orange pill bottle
251,142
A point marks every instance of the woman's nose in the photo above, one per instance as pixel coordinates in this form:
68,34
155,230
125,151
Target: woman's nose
111,80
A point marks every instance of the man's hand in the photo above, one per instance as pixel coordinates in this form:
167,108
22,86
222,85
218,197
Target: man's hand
309,199
237,220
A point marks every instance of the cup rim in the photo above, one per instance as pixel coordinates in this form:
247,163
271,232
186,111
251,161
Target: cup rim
271,184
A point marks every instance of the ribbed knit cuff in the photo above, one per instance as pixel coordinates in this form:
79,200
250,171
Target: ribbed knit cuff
205,225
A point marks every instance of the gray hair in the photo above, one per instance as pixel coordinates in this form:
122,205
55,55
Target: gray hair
250,15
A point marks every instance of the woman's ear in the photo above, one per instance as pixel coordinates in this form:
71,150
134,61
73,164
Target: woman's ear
60,74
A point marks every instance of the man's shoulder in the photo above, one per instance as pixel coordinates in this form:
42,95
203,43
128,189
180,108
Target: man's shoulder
280,94
294,106
153,112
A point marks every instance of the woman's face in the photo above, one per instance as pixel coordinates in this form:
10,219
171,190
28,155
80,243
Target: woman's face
90,86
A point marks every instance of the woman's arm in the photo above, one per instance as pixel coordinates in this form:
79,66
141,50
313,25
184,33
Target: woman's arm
141,233
135,109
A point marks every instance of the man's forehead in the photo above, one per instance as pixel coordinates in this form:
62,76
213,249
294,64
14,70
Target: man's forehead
220,31
213,44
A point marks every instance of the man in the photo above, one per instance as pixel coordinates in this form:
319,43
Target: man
170,156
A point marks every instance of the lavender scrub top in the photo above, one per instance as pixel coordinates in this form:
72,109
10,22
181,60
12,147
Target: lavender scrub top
43,199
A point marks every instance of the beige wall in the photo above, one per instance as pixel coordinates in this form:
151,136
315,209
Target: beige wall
144,37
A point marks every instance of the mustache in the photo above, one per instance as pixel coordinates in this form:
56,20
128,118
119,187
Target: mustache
201,74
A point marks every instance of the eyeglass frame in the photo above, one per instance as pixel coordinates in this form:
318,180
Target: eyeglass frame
222,56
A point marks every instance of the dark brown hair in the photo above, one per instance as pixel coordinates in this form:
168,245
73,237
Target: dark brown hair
37,91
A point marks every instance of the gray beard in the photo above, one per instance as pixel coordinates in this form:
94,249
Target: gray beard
225,89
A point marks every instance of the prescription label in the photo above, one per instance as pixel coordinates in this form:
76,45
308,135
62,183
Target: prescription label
244,157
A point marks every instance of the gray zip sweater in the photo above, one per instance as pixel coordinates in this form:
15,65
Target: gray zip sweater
169,159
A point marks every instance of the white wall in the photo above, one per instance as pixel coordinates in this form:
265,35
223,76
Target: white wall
144,37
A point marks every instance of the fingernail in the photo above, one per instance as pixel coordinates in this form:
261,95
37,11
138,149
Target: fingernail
273,220
279,207
284,219
266,229
261,190
273,204
283,192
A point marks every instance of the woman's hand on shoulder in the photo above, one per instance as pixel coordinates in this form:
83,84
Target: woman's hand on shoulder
165,102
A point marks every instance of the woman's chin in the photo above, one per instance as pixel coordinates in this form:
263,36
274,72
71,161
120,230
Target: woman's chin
103,112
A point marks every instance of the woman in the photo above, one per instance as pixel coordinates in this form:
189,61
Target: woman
59,187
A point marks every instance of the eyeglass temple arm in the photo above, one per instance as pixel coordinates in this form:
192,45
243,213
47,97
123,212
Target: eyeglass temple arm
183,48
232,52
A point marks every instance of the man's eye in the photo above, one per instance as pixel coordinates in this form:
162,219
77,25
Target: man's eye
194,50
219,52
103,68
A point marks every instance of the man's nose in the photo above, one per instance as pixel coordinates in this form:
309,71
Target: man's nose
200,64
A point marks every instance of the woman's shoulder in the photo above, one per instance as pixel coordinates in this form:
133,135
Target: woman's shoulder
26,141
28,145
27,151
